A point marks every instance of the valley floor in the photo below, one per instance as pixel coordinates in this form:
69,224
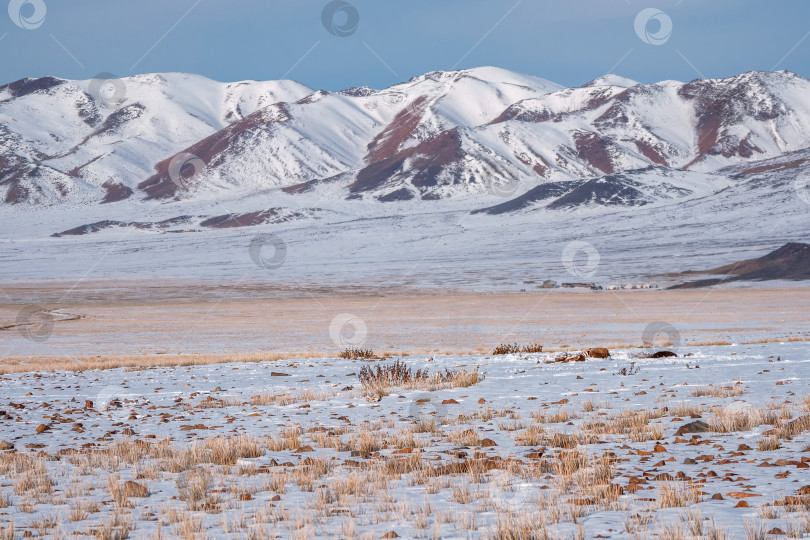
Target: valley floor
170,318
715,442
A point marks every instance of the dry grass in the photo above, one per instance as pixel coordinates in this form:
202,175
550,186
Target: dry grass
356,354
677,495
514,348
719,391
378,381
730,419
55,363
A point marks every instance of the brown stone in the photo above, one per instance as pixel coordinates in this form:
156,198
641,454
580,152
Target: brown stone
42,428
488,442
449,402
390,534
134,489
598,352
5,445
698,426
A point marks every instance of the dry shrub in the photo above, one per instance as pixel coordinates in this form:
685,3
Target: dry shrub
767,444
378,381
514,348
354,353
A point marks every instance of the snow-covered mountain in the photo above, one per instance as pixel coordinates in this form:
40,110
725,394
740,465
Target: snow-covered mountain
461,135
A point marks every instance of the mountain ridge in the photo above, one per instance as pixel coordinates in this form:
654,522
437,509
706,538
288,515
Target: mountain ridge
441,135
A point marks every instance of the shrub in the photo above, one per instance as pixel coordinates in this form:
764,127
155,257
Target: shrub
515,348
377,380
353,353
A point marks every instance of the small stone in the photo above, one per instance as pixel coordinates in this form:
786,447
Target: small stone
488,443
776,530
742,504
42,428
390,534
5,445
689,461
717,497
449,402
88,404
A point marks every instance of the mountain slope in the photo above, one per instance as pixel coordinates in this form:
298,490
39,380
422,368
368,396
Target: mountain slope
470,134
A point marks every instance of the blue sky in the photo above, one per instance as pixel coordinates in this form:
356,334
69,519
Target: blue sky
567,41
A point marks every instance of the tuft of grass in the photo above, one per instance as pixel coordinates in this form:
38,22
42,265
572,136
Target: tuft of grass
718,391
353,353
377,381
514,348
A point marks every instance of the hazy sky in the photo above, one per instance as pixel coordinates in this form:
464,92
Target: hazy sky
567,41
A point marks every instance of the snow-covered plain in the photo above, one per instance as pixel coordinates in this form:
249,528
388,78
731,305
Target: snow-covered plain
556,449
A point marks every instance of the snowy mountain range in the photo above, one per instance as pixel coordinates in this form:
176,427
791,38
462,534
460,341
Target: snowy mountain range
483,175
441,135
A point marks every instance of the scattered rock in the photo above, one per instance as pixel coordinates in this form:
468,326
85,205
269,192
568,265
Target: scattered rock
277,374
742,504
449,402
481,401
42,428
5,445
488,443
390,534
663,354
88,404
717,497
689,461
776,530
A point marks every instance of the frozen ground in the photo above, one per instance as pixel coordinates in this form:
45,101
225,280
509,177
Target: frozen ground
293,449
